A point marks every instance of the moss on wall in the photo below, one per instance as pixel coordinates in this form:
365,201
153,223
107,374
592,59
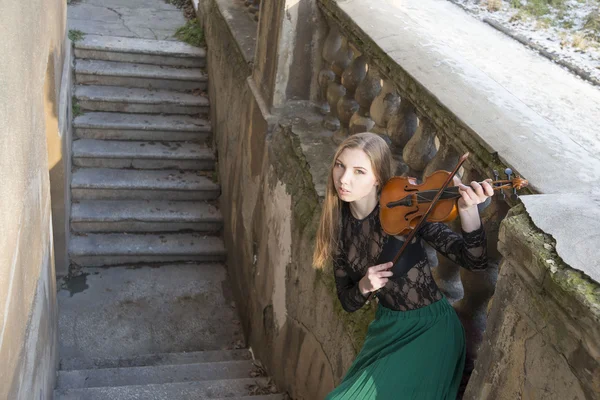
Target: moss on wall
543,250
293,169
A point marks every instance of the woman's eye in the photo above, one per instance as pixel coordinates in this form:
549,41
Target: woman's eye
359,171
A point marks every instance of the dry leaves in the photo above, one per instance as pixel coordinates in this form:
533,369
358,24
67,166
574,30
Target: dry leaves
262,387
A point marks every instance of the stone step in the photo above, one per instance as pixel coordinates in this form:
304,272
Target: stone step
128,184
143,51
105,249
137,100
142,155
148,360
125,311
144,216
126,126
88,378
230,389
112,73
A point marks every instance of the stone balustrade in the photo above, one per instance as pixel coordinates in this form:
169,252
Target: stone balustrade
356,96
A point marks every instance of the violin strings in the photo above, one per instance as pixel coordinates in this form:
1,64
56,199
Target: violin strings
421,196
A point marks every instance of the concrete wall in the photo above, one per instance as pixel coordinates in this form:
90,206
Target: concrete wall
32,45
270,205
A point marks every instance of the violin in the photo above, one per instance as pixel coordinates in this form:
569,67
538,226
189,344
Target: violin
405,204
403,201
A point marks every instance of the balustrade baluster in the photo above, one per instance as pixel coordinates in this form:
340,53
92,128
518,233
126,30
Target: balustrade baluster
420,149
384,106
365,94
337,57
346,105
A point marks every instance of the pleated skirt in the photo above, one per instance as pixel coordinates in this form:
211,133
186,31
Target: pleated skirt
417,354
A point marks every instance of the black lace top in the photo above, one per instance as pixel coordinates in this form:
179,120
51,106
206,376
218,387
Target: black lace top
412,286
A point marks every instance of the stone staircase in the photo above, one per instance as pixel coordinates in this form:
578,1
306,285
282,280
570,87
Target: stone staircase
148,313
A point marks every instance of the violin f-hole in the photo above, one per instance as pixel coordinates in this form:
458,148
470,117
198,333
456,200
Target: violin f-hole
409,214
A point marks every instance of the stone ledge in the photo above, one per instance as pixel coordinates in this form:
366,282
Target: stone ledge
574,223
242,28
506,108
544,322
315,141
524,245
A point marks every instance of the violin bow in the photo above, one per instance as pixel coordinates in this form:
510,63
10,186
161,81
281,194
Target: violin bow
413,232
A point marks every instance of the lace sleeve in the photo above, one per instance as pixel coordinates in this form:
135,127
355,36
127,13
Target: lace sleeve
468,250
347,290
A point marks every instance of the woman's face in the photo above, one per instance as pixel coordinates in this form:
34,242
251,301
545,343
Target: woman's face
353,175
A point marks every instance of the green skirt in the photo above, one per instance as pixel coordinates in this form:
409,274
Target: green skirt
417,354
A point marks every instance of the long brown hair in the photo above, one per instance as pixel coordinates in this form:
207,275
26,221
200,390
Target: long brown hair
380,155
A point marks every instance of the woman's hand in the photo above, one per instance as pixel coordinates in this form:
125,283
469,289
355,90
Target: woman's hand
474,194
470,196
375,278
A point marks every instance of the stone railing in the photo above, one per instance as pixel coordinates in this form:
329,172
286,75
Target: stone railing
359,94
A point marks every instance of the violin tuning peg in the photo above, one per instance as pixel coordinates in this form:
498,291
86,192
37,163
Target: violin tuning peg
508,173
496,176
514,196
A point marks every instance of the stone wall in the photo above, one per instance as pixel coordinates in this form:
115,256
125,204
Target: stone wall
275,142
292,320
542,341
33,47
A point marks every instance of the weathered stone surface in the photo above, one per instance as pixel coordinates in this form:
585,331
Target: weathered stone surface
487,103
142,155
139,100
144,216
134,310
112,73
154,374
127,126
106,183
163,294
242,28
105,249
543,326
143,360
232,389
139,46
133,50
578,240
270,209
149,19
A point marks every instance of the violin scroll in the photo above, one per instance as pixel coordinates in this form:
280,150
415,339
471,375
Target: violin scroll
516,183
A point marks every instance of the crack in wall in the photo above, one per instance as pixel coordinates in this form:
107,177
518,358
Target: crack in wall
310,333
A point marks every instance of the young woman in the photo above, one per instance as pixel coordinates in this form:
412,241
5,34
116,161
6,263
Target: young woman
415,347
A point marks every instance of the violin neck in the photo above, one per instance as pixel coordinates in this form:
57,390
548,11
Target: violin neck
450,193
453,192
